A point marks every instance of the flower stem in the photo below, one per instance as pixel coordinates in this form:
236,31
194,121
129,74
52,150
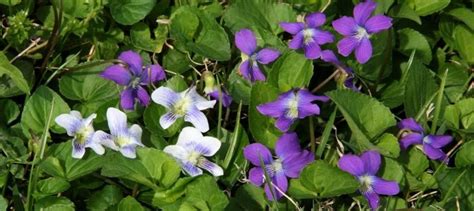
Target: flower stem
438,102
326,81
326,133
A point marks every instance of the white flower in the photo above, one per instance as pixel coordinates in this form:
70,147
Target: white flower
191,149
121,137
82,131
187,104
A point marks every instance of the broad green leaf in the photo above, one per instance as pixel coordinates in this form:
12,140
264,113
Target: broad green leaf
262,127
390,143
105,198
129,203
200,33
464,157
465,15
152,168
37,108
204,194
463,37
140,37
299,191
9,87
414,161
391,170
456,186
367,117
461,115
423,7
455,82
51,186
404,11
419,90
10,2
3,203
410,40
128,12
249,197
9,110
239,87
14,73
162,198
327,181
53,203
293,70
176,61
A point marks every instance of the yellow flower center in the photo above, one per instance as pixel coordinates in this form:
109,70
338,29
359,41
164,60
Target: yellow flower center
181,107
83,133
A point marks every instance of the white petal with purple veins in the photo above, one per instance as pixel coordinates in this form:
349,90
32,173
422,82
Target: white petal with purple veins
117,121
104,139
188,136
69,122
129,151
168,119
211,167
165,97
198,119
136,132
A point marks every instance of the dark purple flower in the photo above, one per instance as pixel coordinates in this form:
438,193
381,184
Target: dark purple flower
365,168
289,161
133,76
329,56
226,98
291,105
432,144
357,30
247,43
308,35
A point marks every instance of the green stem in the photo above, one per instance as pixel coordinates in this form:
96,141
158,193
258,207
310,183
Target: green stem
230,151
425,107
438,102
219,120
326,134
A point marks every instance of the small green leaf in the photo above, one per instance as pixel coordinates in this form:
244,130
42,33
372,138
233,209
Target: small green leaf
410,40
9,110
140,37
249,197
14,73
463,37
415,161
464,157
53,203
129,203
105,198
419,90
456,186
52,185
293,71
390,143
128,12
465,15
423,7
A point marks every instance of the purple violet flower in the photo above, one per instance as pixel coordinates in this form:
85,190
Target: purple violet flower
212,89
365,168
289,161
357,30
308,35
329,56
247,43
133,76
432,144
291,105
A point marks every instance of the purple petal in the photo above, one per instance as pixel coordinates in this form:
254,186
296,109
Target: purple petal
152,74
306,96
378,23
245,41
352,164
295,163
78,150
276,108
134,61
410,139
191,169
371,160
410,124
226,98
307,109
283,123
292,28
362,11
267,55
363,52
347,45
316,19
197,118
118,74
297,41
312,50
323,37
438,141
143,96
433,153
256,151
329,56
280,181
256,176
167,120
345,26
287,144
256,74
127,99
385,187
373,199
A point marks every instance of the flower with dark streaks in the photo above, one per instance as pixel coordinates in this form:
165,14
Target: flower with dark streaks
251,58
357,30
289,161
134,76
291,105
308,35
432,144
365,168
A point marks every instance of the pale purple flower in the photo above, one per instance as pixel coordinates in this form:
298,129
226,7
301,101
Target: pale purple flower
329,56
365,169
290,159
357,30
82,131
251,57
192,148
308,35
291,105
432,144
188,104
121,138
133,76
